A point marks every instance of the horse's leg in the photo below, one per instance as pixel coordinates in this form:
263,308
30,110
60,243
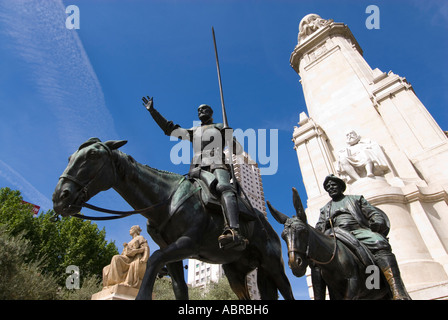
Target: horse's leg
180,288
266,286
283,285
351,289
237,279
181,249
273,276
278,275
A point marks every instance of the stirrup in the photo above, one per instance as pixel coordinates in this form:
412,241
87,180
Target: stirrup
230,239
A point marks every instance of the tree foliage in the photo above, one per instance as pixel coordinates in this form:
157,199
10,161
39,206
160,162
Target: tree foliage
20,279
213,291
35,252
66,242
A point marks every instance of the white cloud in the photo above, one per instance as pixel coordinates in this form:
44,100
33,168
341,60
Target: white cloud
59,68
29,193
437,9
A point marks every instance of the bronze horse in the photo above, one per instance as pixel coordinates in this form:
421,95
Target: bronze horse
339,267
180,223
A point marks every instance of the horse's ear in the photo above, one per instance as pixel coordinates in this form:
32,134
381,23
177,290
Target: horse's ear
89,142
298,205
280,217
115,144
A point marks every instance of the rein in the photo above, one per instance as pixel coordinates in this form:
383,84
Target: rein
117,214
123,214
334,249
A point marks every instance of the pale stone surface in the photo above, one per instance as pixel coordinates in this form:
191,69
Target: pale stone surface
123,277
343,93
116,292
309,24
361,158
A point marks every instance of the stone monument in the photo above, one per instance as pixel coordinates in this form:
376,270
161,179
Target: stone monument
123,276
394,153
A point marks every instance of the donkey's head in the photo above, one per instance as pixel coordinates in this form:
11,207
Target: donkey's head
295,235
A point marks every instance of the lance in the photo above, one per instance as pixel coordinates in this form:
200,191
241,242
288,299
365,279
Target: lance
230,142
224,118
224,115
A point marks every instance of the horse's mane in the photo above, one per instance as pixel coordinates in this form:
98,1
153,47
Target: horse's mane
162,171
126,164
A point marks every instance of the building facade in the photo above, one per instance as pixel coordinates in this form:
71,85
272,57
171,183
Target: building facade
370,128
201,273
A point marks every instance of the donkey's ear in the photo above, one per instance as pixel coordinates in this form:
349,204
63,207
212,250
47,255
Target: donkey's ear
115,144
280,217
298,205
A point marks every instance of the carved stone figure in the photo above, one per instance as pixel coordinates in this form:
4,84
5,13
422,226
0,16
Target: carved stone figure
311,23
361,158
129,267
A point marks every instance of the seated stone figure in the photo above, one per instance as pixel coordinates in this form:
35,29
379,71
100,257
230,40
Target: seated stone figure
128,268
361,158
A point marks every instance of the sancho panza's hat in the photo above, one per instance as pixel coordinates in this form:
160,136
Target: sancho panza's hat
339,181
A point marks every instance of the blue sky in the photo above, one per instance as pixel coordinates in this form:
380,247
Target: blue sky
59,87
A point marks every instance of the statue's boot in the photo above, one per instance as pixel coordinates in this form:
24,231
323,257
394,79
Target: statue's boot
231,238
389,266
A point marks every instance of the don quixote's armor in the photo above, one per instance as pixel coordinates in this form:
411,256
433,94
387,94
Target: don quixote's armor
209,140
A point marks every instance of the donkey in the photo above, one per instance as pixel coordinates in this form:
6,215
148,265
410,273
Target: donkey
339,267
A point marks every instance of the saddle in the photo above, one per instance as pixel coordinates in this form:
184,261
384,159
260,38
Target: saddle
362,253
187,188
210,201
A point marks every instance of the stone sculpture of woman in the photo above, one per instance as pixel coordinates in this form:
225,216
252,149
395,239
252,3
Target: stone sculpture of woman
129,267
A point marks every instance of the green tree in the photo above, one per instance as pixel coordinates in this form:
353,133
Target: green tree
219,291
21,279
163,289
89,286
68,241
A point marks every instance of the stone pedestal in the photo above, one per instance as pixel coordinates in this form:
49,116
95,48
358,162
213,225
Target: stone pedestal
116,292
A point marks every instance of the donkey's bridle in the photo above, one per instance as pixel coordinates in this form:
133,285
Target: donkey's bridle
308,249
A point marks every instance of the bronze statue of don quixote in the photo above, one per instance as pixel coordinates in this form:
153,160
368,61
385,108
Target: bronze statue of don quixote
201,215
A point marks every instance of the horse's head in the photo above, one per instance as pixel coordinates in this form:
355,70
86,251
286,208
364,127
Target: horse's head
90,170
295,235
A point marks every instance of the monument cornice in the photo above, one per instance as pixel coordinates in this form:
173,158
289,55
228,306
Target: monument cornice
310,42
389,85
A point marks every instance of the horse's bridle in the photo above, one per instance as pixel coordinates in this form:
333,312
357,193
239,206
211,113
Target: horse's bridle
123,214
85,186
118,214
